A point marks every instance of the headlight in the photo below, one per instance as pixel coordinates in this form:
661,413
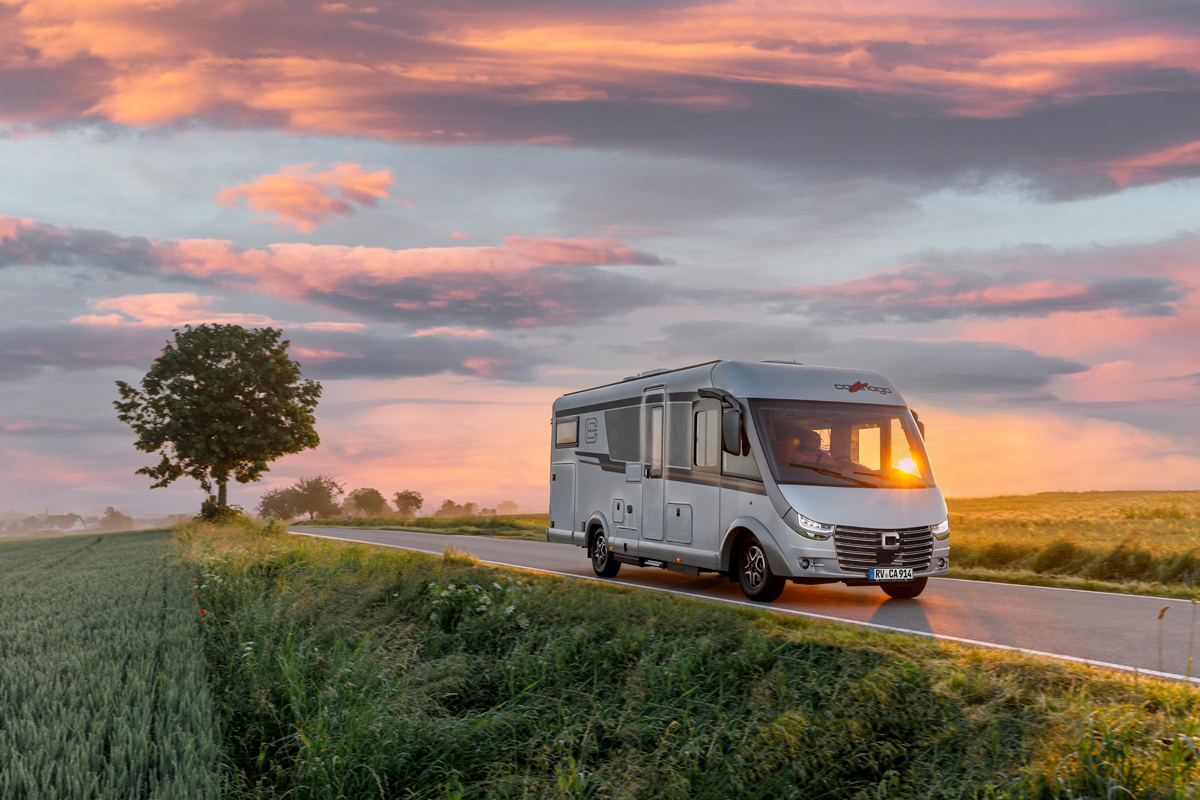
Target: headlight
941,531
810,529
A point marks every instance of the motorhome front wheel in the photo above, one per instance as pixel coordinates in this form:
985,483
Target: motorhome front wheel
754,573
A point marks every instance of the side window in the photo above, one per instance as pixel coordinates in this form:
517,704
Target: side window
742,466
566,432
706,436
654,440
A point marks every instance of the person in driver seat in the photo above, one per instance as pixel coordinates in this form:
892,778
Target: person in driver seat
808,448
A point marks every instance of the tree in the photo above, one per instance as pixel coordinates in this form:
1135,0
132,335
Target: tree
279,503
368,501
219,403
317,496
114,520
408,502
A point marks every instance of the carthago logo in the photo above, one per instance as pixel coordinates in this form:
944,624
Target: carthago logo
862,386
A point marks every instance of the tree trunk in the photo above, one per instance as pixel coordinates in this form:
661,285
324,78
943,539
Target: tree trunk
221,494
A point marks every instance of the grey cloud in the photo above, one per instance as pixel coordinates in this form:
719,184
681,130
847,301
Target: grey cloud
540,296
953,367
836,135
27,350
383,357
930,296
30,350
43,245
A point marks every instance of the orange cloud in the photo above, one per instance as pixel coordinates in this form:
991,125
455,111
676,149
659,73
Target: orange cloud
170,310
333,71
306,200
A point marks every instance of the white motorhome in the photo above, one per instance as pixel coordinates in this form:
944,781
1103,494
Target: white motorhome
763,472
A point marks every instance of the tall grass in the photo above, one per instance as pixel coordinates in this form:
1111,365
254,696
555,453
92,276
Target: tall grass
103,689
349,671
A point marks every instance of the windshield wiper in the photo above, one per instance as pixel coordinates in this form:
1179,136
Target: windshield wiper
902,481
833,474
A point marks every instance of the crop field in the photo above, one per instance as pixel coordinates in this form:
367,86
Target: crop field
1144,542
103,687
347,671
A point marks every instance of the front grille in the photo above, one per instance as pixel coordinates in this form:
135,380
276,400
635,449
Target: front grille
859,549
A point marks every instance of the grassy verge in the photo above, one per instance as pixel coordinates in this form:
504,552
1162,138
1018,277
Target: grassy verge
103,691
349,671
524,526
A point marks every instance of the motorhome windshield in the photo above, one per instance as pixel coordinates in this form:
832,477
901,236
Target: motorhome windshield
842,444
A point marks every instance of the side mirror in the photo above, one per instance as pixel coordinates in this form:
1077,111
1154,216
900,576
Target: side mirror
920,425
731,432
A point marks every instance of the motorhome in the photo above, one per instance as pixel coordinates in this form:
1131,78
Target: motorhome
764,472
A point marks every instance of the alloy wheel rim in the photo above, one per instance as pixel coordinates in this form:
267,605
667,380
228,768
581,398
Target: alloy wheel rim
600,553
754,566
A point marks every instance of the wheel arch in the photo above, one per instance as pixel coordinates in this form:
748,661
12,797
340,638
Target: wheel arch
597,523
737,531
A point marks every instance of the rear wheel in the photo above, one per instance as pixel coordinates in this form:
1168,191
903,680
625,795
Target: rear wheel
904,591
603,563
754,573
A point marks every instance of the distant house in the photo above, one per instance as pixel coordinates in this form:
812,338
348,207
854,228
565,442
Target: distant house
63,522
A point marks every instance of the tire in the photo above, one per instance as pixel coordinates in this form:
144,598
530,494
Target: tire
754,573
603,563
904,591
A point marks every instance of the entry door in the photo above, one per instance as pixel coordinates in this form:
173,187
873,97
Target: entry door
653,439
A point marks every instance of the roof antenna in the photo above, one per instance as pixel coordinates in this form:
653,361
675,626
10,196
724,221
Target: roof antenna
793,352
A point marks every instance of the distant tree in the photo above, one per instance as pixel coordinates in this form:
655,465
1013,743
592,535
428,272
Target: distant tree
31,523
368,502
279,503
114,520
449,509
487,512
219,403
408,502
507,507
317,496
452,509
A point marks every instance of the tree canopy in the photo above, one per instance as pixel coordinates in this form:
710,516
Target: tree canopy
409,502
368,502
316,496
219,403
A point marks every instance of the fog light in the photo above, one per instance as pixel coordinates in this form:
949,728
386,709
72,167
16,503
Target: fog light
805,563
941,563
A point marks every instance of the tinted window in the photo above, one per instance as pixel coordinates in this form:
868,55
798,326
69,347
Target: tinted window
566,432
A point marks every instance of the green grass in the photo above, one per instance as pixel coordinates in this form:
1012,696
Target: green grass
519,526
1138,542
103,690
350,671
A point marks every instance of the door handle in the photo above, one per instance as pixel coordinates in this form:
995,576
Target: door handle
647,470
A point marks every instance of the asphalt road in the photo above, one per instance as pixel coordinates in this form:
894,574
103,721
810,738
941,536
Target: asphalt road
1109,630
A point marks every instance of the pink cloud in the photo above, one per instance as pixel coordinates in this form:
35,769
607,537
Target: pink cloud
169,310
307,200
330,71
523,282
926,295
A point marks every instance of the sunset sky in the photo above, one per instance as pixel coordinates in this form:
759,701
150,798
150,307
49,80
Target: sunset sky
460,210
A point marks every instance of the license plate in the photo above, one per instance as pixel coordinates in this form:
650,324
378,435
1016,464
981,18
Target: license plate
892,574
